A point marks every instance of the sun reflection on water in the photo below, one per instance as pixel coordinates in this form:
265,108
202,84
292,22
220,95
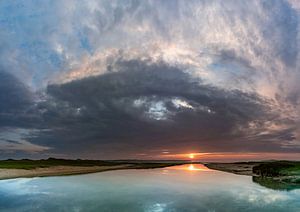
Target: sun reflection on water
191,167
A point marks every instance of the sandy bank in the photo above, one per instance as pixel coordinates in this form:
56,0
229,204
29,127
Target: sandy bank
235,168
57,171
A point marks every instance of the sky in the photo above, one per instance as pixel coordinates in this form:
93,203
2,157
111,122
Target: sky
151,79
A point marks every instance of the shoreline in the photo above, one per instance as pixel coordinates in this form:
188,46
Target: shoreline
10,169
13,173
276,175
243,168
6,174
65,170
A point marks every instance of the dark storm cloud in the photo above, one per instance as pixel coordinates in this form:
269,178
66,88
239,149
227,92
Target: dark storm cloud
16,102
14,96
142,105
19,119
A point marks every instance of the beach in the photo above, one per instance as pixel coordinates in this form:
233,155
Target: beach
57,171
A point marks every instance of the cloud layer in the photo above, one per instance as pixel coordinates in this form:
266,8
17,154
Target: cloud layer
140,107
112,79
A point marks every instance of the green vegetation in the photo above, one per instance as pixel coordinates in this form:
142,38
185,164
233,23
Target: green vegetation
278,175
276,184
277,169
44,163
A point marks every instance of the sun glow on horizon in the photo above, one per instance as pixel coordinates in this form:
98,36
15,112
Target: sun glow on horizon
191,156
226,156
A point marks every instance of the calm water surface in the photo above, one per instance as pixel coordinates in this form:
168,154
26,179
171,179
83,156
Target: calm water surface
180,188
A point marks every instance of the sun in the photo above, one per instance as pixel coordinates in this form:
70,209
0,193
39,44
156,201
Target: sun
191,156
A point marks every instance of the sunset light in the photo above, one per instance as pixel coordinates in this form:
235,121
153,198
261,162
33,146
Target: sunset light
190,167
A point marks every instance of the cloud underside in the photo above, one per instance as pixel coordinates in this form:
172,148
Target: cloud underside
139,106
143,106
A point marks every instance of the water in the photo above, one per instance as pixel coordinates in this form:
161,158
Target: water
180,188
